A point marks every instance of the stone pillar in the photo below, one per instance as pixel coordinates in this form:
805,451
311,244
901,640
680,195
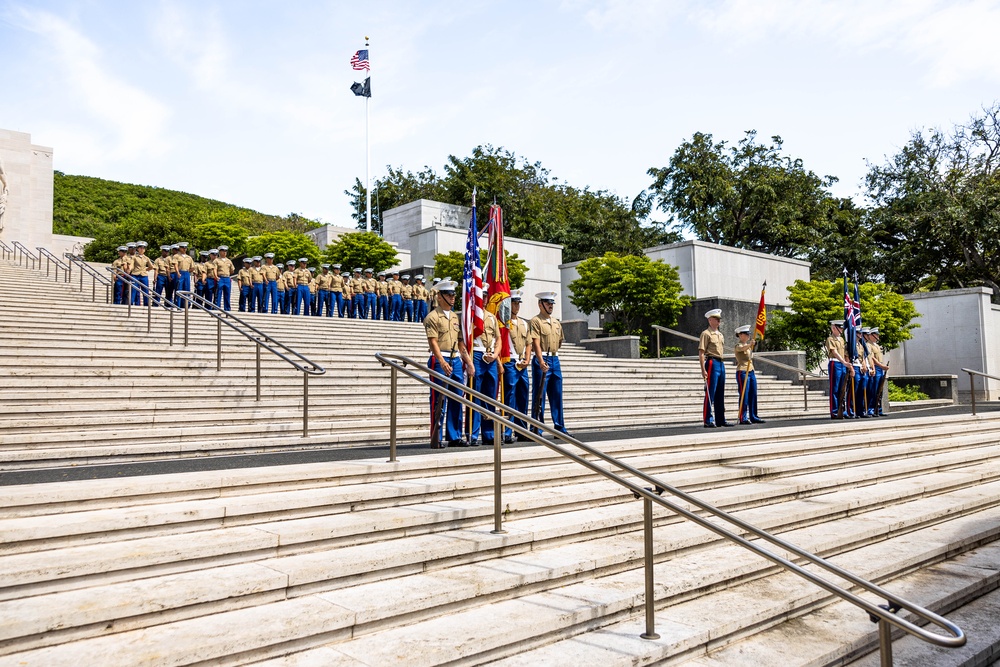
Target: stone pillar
28,175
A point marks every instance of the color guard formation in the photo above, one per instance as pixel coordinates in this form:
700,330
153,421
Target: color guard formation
263,287
535,344
856,388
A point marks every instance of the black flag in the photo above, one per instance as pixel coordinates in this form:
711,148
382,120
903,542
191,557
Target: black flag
363,89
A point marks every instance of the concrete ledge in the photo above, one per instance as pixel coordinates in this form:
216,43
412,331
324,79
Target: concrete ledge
935,386
576,330
617,347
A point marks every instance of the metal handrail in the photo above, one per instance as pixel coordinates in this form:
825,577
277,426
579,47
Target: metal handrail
6,250
49,260
25,253
885,615
95,276
258,337
972,386
802,373
152,298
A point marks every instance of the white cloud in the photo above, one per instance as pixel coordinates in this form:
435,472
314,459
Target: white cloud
133,120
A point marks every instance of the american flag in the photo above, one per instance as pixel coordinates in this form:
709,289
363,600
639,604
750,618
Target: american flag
360,60
472,288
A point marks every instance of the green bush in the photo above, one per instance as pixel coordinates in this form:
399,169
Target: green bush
905,394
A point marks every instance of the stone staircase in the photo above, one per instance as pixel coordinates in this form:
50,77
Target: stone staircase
370,563
81,383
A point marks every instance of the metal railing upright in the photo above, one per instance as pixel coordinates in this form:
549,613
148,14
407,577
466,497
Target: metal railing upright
135,290
972,384
190,301
22,255
803,374
50,261
6,251
884,615
95,276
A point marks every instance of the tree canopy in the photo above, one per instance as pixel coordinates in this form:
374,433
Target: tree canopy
747,196
536,206
629,290
806,325
364,249
285,245
453,264
936,219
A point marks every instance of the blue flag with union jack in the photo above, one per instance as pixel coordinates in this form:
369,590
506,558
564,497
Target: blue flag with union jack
850,332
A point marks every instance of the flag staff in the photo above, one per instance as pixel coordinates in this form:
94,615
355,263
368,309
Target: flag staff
368,155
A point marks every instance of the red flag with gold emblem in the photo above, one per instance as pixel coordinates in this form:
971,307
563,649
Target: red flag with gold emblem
761,325
498,296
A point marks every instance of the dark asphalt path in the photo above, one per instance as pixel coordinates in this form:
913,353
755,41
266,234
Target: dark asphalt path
321,454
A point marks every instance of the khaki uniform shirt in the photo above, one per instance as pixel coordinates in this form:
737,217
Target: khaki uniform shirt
323,281
198,271
406,291
243,278
382,288
876,352
859,353
711,343
224,267
123,264
491,332
211,268
256,275
336,282
270,272
446,327
289,279
162,266
548,332
313,285
395,287
141,265
302,276
835,344
281,282
744,356
518,339
420,292
371,285
183,262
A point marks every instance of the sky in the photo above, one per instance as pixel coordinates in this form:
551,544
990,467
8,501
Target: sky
249,101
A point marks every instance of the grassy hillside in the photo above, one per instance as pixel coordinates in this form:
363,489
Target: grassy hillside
87,206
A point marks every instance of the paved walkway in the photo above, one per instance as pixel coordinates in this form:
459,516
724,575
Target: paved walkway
46,475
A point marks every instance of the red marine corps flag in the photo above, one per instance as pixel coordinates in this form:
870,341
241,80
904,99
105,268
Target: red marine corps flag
498,296
761,325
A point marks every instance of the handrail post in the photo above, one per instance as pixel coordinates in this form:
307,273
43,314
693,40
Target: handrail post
972,393
805,392
647,536
218,345
884,643
305,404
185,322
392,414
657,343
128,284
497,473
257,349
149,313
171,315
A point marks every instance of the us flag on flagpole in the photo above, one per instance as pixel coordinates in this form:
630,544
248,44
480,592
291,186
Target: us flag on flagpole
360,60
472,286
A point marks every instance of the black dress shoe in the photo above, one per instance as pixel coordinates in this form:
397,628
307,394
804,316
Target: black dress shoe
509,440
710,425
728,424
477,442
523,438
758,421
745,422
458,443
438,445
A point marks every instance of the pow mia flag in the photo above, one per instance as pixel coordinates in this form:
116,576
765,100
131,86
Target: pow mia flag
363,89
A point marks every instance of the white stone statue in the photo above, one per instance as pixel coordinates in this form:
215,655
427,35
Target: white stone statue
3,193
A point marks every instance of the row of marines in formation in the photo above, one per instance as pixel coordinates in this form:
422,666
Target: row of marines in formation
265,287
856,386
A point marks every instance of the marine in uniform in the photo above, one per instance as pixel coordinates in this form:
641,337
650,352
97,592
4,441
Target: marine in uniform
141,266
485,350
272,274
546,373
381,298
448,357
291,286
161,275
198,274
280,289
323,302
395,298
302,279
746,378
713,371
406,295
857,407
121,267
337,285
359,305
313,289
880,368
420,296
212,276
224,269
515,371
838,368
184,263
371,293
257,304
246,284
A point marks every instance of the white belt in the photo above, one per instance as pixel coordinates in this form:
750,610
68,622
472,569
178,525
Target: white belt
479,348
550,354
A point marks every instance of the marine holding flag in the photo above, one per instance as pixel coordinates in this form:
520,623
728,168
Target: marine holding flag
746,378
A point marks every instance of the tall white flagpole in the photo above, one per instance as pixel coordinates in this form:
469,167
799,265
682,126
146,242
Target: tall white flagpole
368,150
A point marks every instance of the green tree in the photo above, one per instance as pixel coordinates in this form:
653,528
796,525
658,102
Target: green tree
806,325
536,206
156,230
629,290
285,245
208,235
453,264
747,196
364,249
937,208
